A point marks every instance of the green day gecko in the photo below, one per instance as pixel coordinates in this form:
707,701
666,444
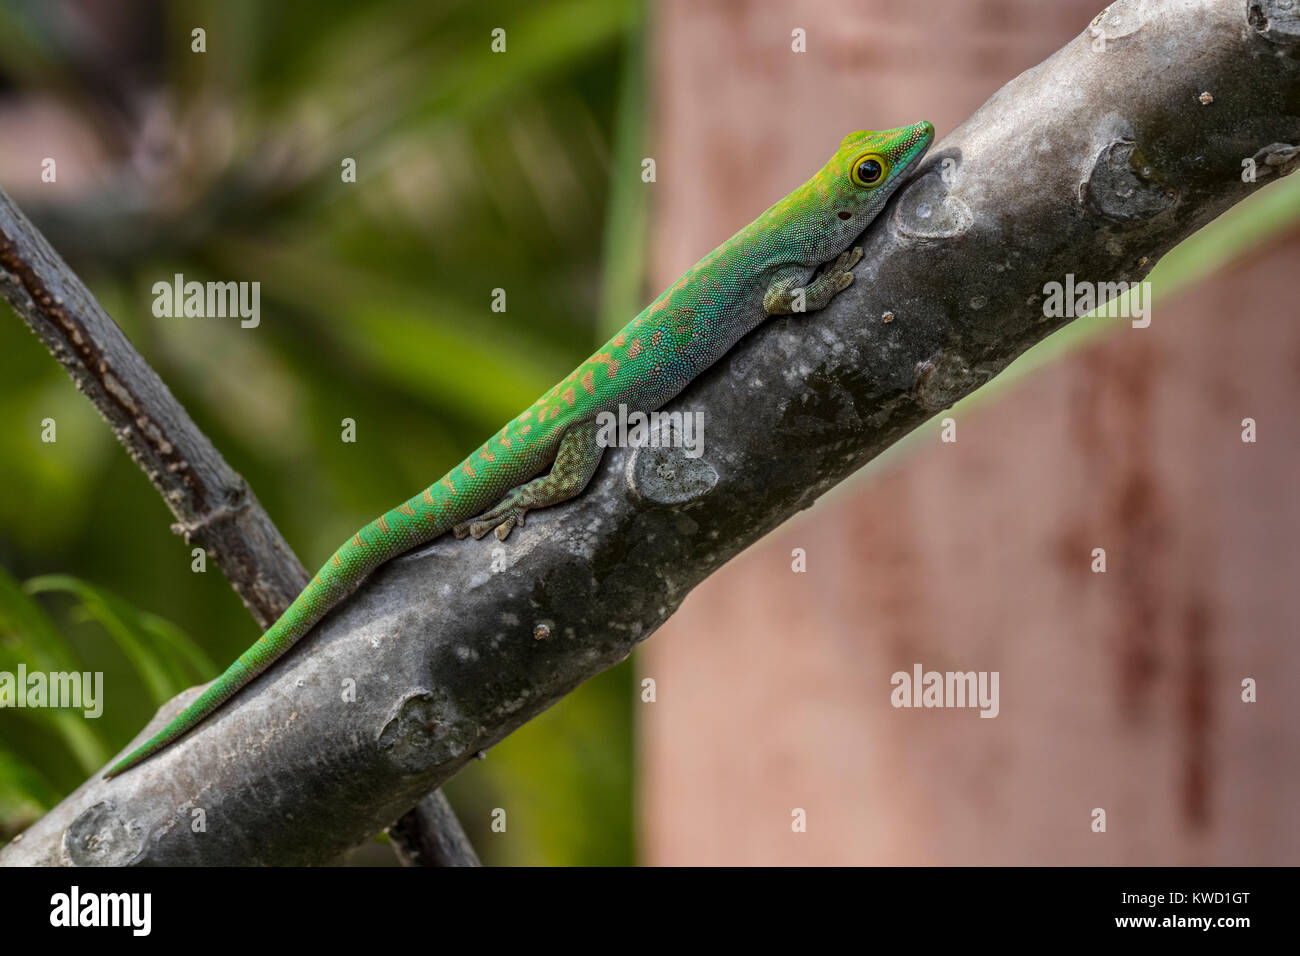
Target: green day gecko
795,257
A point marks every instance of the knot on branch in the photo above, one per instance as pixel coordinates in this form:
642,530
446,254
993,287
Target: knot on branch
1123,185
1277,21
100,837
945,377
1279,158
426,731
668,476
926,209
236,502
1115,22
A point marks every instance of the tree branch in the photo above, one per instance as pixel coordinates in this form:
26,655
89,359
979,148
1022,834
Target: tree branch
430,835
214,507
1096,163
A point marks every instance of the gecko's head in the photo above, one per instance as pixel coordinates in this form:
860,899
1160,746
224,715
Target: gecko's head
864,172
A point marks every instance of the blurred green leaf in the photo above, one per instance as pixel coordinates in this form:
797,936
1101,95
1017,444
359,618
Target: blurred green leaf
24,793
28,637
150,645
30,630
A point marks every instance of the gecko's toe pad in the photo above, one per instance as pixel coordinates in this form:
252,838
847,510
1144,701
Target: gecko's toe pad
846,260
502,518
841,270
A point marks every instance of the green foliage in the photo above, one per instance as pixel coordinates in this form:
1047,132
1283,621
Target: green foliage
29,639
46,751
163,657
475,171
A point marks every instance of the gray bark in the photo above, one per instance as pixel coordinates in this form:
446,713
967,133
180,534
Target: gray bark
1095,163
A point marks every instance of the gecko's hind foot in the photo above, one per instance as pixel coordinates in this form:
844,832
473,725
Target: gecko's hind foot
574,464
504,517
503,529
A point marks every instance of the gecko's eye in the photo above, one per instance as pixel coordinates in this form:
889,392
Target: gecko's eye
869,170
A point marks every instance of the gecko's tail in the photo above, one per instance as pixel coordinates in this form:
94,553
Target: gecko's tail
236,676
421,519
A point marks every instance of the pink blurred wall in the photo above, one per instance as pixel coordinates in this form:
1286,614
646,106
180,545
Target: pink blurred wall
1118,690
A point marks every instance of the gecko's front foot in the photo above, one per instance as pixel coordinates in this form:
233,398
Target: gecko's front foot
841,270
784,297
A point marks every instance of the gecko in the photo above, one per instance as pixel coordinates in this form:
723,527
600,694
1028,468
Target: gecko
795,257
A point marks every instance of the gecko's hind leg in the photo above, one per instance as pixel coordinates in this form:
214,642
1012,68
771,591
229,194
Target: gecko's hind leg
575,463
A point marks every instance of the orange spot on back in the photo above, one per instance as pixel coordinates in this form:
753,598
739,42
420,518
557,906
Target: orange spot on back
357,542
634,349
620,339
406,510
468,469
568,396
446,483
428,495
613,369
588,381
555,410
383,524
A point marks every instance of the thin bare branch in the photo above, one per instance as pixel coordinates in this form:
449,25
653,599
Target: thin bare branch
430,835
214,507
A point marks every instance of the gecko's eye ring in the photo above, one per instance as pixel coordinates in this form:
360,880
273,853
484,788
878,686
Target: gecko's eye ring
869,170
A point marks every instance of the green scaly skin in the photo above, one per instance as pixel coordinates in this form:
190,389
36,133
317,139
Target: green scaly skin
795,257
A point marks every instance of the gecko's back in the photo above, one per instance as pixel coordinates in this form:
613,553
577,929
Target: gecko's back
768,267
